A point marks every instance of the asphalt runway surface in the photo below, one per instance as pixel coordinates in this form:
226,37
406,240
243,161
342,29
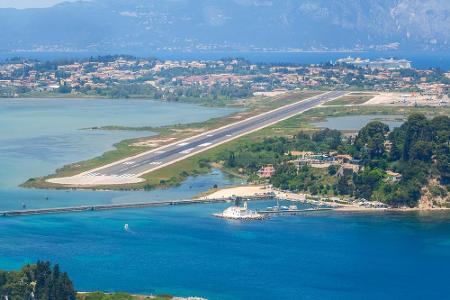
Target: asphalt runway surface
137,166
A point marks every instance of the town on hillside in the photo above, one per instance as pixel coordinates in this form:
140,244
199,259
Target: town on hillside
207,80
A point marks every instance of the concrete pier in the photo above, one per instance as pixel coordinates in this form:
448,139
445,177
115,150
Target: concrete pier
87,208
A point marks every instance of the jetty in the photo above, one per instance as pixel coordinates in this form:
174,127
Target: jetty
103,207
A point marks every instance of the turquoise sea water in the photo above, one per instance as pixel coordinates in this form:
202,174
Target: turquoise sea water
185,250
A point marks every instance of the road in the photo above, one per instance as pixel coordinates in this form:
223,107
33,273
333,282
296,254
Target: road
135,167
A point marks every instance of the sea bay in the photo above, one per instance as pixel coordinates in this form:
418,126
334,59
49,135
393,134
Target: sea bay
184,250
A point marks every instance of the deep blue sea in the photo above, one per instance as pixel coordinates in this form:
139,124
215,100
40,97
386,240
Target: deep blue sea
185,250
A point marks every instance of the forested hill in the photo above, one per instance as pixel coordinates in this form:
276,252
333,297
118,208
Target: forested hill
146,25
418,151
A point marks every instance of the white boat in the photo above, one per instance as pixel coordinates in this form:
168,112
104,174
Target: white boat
126,227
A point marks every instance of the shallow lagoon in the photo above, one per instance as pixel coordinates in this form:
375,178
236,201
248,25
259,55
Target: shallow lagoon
184,250
355,123
37,136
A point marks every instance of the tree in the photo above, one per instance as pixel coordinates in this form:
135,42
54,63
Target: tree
64,89
443,166
421,150
416,128
231,161
40,280
327,137
343,186
369,143
366,182
333,169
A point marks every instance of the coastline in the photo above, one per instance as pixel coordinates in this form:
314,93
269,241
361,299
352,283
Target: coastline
258,190
202,163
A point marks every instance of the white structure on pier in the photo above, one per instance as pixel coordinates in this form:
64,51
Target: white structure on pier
240,213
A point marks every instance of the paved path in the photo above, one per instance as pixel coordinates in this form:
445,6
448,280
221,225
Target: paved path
129,170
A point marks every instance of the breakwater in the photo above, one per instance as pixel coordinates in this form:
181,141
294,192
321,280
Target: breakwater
88,208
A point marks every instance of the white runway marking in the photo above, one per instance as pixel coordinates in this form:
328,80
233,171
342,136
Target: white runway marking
156,163
228,135
93,174
187,151
128,163
205,145
126,175
210,135
160,152
183,144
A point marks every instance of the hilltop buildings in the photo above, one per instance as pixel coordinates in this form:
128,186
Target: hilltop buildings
119,77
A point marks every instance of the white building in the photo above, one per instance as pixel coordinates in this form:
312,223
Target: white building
240,213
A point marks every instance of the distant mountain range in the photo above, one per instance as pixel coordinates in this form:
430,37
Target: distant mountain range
130,26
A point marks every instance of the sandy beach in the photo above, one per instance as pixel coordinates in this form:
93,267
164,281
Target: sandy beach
259,190
240,191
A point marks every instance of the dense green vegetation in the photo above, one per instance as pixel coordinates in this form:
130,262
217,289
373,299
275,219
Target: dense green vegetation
40,281
215,94
418,150
251,156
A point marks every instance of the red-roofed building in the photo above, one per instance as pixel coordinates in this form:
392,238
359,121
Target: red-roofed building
267,171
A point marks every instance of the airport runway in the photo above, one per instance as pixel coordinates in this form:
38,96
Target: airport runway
136,166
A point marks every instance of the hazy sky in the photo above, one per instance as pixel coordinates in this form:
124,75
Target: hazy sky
29,3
